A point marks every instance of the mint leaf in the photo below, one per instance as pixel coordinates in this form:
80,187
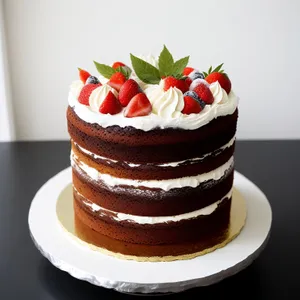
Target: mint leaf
179,66
165,62
218,68
105,70
209,70
126,71
205,74
145,71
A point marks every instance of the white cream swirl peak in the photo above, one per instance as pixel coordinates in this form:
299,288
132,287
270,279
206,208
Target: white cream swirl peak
152,156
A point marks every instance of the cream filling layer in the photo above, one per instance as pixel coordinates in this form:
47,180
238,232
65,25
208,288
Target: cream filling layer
166,184
170,164
154,220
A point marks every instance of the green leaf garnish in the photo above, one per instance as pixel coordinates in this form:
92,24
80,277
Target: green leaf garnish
209,70
218,68
145,71
165,62
105,70
179,66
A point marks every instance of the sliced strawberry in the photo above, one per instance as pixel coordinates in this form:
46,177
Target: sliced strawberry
187,71
203,92
171,81
138,106
83,75
110,105
117,80
223,79
117,64
128,90
188,81
86,92
191,106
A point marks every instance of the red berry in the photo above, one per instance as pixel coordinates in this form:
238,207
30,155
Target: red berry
86,92
191,106
188,81
110,105
117,80
174,82
138,106
83,75
187,71
117,64
204,93
128,90
223,79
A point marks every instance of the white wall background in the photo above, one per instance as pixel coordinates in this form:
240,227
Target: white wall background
259,42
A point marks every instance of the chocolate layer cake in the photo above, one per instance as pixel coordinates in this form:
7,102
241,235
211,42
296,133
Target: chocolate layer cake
152,156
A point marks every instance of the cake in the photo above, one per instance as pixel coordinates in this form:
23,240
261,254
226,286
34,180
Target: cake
152,157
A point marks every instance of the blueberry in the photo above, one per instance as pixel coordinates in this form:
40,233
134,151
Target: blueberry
195,96
196,75
92,80
191,94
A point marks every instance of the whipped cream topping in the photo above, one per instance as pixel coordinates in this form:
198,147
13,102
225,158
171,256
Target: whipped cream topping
76,88
220,95
154,219
166,104
98,95
146,123
166,184
170,164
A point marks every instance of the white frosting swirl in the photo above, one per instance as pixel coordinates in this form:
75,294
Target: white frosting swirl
76,87
220,95
98,95
166,104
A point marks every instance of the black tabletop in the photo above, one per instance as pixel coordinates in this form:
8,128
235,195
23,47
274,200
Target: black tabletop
25,274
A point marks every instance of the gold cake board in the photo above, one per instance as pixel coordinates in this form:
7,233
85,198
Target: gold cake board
65,215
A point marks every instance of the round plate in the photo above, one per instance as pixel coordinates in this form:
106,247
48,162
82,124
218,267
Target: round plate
146,277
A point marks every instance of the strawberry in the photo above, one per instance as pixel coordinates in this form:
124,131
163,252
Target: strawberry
171,81
188,81
86,92
222,78
117,64
83,75
110,105
138,106
127,91
218,75
117,80
203,91
191,106
187,71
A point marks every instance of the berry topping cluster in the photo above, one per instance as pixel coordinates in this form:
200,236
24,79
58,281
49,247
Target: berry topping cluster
125,91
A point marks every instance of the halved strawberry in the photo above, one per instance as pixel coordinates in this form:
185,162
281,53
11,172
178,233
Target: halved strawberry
86,92
187,71
138,106
83,75
223,79
110,105
171,81
127,91
117,80
203,91
191,106
117,64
